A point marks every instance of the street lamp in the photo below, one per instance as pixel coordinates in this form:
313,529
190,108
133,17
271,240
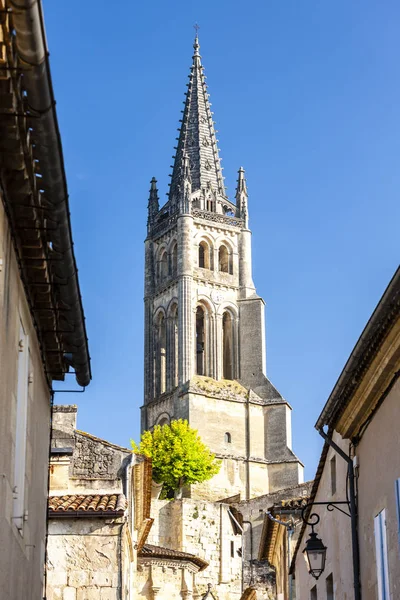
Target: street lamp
315,554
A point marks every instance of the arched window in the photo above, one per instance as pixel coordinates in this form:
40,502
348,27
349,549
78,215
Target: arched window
163,266
161,355
223,259
174,260
205,258
227,345
228,438
174,346
200,342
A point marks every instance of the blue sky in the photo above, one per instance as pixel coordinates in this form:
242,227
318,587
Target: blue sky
306,97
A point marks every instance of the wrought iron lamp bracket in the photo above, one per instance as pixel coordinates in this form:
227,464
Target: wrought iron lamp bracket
313,519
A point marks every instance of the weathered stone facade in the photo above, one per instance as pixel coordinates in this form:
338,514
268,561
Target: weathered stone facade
204,529
99,520
204,322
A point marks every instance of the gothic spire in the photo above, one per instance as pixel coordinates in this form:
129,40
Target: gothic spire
197,138
242,197
153,205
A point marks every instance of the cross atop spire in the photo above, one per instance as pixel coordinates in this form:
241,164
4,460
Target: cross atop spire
197,138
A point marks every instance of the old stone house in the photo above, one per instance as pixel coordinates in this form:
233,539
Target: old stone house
362,418
99,521
42,327
204,322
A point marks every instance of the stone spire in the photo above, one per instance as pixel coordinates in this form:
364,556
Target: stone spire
197,138
242,197
153,205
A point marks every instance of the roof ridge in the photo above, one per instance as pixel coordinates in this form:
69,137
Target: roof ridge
102,441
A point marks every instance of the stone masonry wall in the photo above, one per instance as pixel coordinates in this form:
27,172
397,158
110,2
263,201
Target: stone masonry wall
83,559
204,529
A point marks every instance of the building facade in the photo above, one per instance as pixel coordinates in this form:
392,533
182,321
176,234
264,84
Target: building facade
361,416
99,521
204,322
42,327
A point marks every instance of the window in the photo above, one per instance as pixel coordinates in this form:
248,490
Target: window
313,593
381,556
228,438
205,256
161,355
333,475
227,346
329,588
174,260
232,549
21,430
163,266
223,259
200,342
174,347
397,492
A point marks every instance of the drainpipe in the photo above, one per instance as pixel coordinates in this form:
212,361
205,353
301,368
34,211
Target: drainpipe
353,513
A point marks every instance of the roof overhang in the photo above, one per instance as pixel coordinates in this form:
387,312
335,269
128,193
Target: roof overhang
34,192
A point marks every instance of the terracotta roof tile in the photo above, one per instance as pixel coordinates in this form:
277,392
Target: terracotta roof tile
93,503
149,550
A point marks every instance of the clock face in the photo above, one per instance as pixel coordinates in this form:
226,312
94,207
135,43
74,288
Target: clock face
217,296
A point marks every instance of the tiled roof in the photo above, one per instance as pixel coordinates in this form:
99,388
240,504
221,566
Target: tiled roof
149,550
93,504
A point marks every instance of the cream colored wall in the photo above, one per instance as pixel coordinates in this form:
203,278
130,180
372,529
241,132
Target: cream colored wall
378,454
214,417
21,556
335,531
83,559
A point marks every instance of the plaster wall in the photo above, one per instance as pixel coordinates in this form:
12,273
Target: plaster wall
378,456
21,552
335,531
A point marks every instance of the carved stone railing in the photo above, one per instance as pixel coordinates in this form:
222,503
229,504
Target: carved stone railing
164,225
217,218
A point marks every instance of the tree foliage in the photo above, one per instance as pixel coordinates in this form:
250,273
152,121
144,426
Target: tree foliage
178,455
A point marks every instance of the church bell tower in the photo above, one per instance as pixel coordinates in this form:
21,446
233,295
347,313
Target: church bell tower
204,322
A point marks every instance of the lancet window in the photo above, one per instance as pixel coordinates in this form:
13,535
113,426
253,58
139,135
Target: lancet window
205,255
200,342
161,354
174,260
225,262
173,347
227,346
163,266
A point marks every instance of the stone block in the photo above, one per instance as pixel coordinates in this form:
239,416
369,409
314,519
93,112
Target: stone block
54,593
78,579
69,593
56,578
109,593
101,578
88,593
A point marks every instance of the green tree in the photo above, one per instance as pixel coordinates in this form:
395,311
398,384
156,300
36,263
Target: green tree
178,455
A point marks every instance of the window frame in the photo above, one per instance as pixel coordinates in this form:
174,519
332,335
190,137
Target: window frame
381,555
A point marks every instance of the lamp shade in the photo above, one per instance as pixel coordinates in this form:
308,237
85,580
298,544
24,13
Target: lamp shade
315,555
